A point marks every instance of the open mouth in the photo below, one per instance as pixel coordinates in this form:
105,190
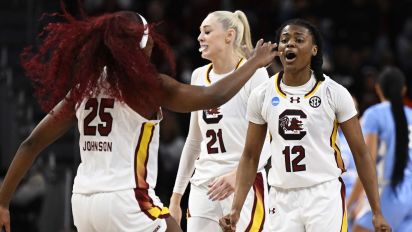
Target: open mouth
290,56
202,48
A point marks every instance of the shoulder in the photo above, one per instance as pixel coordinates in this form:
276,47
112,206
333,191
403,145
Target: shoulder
334,90
377,108
262,72
200,71
332,84
262,88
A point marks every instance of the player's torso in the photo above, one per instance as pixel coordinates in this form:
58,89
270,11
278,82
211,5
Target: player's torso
223,131
118,147
304,142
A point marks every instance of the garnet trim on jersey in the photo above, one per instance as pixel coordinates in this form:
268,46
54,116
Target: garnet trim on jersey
278,79
337,153
344,226
141,159
209,69
257,216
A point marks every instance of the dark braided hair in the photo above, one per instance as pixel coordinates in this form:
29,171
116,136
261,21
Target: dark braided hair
392,81
73,53
317,60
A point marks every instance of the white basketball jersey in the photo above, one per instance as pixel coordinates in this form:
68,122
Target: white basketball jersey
303,123
223,128
118,147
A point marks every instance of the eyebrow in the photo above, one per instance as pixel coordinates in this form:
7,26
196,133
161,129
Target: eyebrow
296,33
204,26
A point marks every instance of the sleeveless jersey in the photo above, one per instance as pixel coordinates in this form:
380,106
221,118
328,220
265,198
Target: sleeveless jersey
378,119
118,148
223,128
303,124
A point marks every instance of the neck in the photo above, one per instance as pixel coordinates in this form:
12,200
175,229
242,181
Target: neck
297,78
226,63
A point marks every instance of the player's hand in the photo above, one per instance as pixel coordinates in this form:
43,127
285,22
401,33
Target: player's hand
380,223
228,222
222,186
176,212
4,219
264,53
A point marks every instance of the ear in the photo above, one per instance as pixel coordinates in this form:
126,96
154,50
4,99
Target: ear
404,90
314,50
230,35
379,92
149,46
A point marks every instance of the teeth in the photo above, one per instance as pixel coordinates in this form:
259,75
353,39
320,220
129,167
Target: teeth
202,48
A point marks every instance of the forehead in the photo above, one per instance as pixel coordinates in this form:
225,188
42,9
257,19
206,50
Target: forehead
210,20
295,30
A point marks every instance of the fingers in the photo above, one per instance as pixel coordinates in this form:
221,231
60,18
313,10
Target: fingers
220,191
259,43
226,225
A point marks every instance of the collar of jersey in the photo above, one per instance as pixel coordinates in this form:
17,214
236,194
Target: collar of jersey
278,79
209,69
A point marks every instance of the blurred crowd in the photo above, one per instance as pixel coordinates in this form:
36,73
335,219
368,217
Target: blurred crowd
360,37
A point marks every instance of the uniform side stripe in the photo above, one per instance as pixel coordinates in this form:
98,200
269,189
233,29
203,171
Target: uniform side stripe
142,154
141,159
258,212
338,156
344,226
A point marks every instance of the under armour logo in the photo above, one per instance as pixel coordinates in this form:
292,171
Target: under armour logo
297,99
272,211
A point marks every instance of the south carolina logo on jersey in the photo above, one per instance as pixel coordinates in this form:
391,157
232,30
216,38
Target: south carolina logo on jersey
212,116
291,124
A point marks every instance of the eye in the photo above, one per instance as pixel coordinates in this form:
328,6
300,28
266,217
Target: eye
300,40
283,40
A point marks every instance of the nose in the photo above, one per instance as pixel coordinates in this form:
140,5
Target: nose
200,37
290,43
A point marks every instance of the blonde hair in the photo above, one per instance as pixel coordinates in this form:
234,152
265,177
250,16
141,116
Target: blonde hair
238,21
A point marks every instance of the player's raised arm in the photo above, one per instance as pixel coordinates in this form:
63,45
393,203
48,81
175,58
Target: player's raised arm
183,98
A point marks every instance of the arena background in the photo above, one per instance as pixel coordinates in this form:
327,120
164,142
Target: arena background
360,36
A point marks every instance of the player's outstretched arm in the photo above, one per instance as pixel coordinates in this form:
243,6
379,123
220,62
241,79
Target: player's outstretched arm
46,132
246,173
184,98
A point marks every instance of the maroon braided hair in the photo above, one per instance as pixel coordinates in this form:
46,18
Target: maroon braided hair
73,54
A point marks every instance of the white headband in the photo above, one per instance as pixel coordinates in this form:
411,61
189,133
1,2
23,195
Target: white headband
145,36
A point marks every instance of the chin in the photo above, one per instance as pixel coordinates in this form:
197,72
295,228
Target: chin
205,56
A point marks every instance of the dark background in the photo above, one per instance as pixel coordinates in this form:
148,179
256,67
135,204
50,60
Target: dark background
360,37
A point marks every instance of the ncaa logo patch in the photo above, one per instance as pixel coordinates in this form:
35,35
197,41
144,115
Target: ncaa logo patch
314,101
275,101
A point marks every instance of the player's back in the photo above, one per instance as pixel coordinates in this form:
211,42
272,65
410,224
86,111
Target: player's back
379,119
118,147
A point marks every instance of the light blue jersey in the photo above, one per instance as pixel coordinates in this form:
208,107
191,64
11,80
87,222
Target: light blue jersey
378,120
397,208
350,175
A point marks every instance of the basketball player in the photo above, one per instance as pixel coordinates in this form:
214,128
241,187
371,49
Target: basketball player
99,71
387,129
302,108
217,135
